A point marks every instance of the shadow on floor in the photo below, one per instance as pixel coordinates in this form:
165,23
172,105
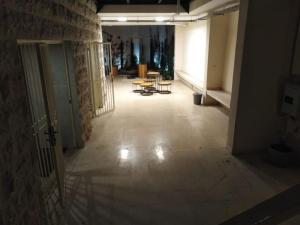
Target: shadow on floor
274,211
107,196
90,201
262,167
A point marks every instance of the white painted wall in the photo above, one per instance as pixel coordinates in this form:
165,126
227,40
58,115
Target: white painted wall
190,51
255,120
178,57
221,54
218,30
227,78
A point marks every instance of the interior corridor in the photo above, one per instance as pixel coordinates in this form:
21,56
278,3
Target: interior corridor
162,160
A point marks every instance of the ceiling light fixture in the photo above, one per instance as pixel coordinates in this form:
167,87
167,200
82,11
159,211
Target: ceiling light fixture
122,19
160,19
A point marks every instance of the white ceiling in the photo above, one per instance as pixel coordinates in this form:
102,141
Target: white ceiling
147,14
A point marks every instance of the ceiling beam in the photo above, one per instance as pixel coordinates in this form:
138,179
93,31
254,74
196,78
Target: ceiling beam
142,9
201,6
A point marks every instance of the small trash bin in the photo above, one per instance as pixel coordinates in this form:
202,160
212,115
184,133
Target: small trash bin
197,98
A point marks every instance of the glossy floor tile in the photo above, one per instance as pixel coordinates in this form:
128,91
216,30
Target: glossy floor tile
160,160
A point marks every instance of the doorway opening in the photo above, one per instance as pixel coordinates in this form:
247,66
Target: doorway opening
45,126
138,49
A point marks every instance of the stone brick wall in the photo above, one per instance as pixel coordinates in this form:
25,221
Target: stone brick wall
19,186
74,20
55,20
49,19
83,87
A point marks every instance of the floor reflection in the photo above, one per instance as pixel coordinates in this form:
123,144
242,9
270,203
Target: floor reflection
159,153
124,153
161,161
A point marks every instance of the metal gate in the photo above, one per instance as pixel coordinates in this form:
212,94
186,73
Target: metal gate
102,85
44,127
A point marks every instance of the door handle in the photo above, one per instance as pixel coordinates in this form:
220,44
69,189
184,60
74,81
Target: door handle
51,133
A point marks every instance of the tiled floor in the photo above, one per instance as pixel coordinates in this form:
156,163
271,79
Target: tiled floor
160,160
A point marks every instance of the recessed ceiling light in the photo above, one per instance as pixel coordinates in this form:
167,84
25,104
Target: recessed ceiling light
160,19
122,19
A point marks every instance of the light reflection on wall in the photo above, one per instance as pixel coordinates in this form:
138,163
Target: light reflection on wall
191,48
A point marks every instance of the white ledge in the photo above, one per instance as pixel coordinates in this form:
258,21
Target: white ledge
221,96
186,78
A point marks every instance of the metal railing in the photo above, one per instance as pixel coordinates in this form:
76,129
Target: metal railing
100,68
